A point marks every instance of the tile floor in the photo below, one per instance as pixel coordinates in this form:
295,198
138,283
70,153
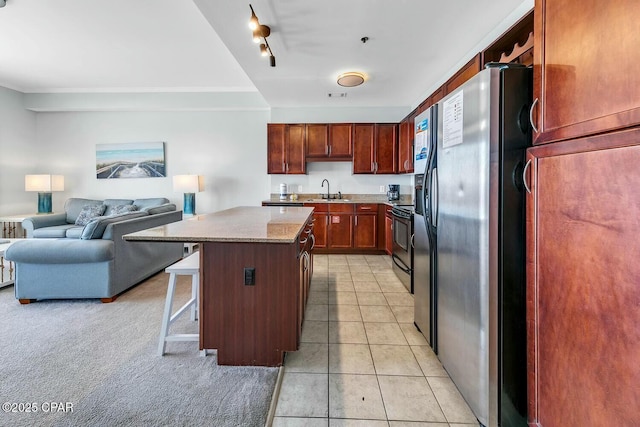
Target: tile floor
361,360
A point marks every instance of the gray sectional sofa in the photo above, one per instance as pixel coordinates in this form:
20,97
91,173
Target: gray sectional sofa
81,254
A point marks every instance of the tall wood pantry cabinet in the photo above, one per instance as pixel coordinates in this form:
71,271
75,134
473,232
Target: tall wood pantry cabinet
583,216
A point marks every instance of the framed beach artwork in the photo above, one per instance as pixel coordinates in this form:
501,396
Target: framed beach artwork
130,160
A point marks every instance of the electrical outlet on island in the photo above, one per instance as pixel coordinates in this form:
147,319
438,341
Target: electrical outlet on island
382,188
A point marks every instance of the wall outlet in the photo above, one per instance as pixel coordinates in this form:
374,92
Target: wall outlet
382,188
299,188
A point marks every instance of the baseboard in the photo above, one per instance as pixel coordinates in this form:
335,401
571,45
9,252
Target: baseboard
274,398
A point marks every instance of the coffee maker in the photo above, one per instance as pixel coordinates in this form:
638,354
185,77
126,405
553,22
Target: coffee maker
394,192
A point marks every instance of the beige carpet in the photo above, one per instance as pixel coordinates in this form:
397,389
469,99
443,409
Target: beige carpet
101,359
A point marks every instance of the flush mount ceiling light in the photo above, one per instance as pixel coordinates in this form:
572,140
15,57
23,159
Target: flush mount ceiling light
260,34
351,79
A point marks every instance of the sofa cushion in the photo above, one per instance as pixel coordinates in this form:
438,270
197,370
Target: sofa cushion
119,209
95,228
62,251
74,232
153,210
89,212
112,203
143,204
74,205
53,232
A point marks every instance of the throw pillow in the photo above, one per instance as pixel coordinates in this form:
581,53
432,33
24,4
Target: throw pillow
88,213
120,209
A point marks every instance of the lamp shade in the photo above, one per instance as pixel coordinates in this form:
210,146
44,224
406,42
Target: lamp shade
44,183
187,184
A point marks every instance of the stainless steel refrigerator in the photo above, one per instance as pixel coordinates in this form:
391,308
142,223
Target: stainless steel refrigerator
424,252
481,140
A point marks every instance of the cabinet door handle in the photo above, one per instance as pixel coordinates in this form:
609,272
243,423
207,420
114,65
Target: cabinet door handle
356,220
406,165
412,245
524,176
373,166
284,167
313,242
329,150
533,125
365,208
326,150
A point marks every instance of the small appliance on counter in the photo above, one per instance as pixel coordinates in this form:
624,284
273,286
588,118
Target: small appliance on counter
283,191
394,192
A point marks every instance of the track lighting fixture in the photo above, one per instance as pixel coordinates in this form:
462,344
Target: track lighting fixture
260,34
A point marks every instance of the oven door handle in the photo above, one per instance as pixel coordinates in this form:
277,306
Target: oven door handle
398,262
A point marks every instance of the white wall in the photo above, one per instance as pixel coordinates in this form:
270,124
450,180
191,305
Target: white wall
17,138
227,148
221,137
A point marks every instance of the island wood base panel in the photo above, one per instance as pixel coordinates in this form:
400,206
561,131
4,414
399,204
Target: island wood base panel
249,324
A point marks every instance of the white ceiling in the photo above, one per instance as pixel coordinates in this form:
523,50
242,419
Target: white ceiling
205,45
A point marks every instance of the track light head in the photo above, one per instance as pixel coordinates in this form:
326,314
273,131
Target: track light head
272,60
256,36
253,21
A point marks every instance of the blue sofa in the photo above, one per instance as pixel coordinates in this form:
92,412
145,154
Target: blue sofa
64,258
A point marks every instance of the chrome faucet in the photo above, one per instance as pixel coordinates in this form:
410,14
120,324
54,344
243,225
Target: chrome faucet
328,193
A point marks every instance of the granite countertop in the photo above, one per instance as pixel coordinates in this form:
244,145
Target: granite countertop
346,198
241,224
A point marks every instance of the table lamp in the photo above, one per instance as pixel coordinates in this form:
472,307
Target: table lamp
189,185
44,185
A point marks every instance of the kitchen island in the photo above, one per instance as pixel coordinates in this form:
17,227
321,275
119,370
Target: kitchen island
255,267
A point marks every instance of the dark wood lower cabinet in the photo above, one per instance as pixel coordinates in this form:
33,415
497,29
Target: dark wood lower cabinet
388,231
583,292
250,325
365,231
340,231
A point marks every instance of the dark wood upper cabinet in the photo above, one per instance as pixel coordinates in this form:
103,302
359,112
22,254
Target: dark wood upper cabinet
586,61
317,140
286,149
405,146
469,70
437,95
276,148
583,281
375,148
295,136
341,141
363,148
386,152
331,141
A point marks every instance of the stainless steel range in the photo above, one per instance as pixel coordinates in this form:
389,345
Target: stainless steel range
402,254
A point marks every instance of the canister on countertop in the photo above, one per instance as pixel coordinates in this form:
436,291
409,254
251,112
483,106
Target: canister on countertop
283,191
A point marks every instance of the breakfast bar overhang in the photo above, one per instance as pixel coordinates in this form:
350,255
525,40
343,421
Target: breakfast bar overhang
253,262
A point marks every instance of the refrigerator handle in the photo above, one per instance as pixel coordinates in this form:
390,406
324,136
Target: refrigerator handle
433,209
524,176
